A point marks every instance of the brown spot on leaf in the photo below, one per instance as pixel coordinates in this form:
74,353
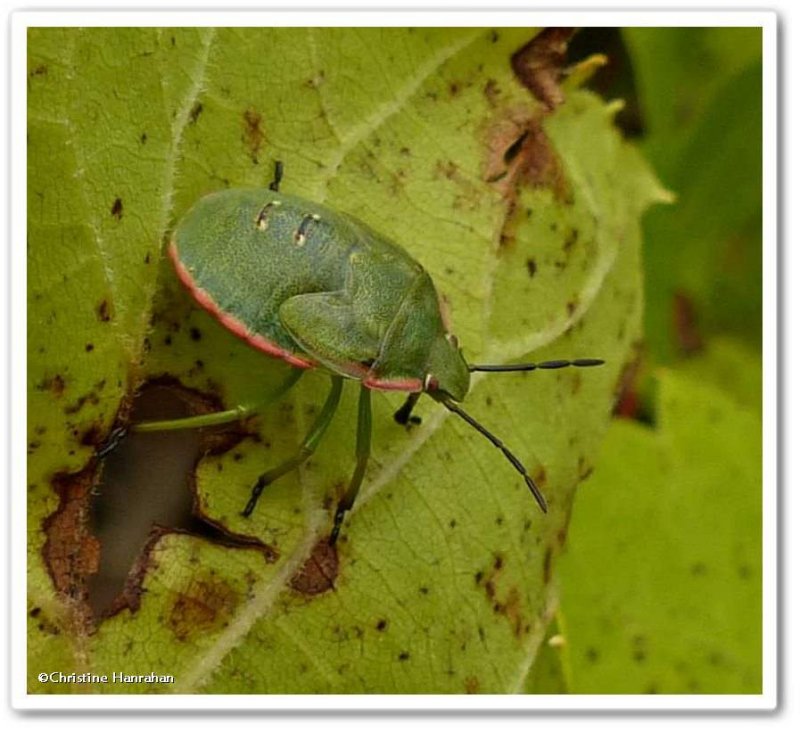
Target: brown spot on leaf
195,112
491,91
91,397
92,436
506,603
519,152
316,80
54,384
204,606
446,168
104,311
116,209
253,135
547,565
569,242
539,65
684,323
541,166
472,685
585,469
319,572
511,609
531,265
628,403
71,553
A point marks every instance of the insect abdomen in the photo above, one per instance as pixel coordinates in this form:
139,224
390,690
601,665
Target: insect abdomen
248,251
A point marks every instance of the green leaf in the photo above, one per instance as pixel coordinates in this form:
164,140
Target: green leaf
694,64
443,581
547,675
704,138
661,583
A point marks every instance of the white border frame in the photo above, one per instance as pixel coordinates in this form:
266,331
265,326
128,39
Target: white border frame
21,699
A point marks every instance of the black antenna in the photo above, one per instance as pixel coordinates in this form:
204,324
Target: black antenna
579,362
453,407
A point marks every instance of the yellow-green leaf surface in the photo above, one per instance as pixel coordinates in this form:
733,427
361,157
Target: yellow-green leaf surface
661,583
443,582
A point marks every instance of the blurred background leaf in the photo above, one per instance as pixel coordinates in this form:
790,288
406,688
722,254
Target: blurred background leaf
700,98
660,587
661,584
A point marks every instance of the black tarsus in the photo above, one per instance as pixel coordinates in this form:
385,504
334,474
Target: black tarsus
579,362
112,442
276,181
403,415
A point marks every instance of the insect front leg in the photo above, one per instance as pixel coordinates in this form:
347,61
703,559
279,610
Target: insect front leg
307,447
403,415
211,419
363,440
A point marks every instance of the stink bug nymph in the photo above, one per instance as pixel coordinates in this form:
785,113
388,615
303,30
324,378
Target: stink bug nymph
332,294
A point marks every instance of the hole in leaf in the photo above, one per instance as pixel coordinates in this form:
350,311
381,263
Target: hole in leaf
146,486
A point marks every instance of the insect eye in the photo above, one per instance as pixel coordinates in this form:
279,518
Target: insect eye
431,383
452,340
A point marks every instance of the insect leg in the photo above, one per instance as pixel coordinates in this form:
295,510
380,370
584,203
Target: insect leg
215,418
403,415
307,447
276,181
363,439
112,442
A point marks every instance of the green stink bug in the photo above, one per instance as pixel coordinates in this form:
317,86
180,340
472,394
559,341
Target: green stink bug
333,294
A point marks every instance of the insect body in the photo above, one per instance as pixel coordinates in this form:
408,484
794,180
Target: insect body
317,288
320,289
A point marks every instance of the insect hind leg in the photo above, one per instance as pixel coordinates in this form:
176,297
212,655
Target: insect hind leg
307,447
